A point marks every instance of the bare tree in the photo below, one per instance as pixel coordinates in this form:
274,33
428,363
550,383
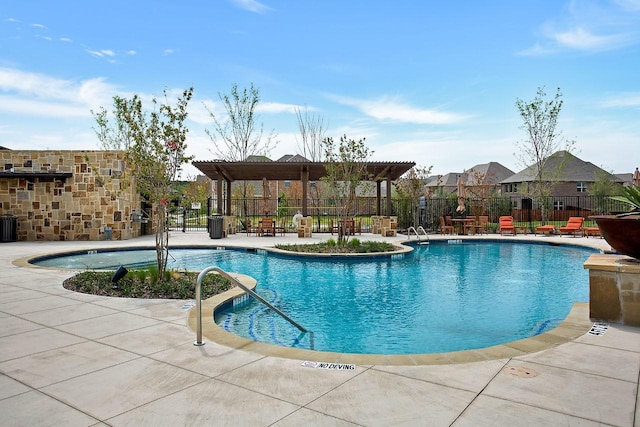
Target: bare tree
312,130
540,119
239,136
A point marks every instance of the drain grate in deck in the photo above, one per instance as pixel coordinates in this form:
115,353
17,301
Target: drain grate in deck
520,371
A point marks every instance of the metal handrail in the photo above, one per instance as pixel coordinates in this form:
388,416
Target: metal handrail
420,228
241,286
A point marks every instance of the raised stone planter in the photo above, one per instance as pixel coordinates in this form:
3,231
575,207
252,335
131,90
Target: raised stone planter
614,289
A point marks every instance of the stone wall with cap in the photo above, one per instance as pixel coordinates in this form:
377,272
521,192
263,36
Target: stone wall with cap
68,195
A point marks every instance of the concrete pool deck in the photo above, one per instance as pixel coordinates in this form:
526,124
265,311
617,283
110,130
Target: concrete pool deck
75,359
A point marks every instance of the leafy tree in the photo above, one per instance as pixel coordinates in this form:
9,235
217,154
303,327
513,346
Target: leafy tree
346,166
604,185
540,120
411,186
480,187
155,144
196,191
239,136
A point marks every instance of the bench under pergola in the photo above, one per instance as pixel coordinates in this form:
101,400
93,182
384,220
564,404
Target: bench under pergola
223,171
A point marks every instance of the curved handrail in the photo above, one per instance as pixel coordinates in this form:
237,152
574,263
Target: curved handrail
241,286
417,233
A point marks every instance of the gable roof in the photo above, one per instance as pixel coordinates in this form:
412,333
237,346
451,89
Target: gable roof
491,173
258,158
292,158
448,180
570,167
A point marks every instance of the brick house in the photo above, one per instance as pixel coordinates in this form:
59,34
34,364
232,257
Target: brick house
571,177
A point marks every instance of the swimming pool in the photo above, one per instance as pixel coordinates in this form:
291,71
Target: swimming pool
441,297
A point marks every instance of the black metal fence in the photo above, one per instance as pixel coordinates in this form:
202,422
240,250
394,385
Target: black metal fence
410,212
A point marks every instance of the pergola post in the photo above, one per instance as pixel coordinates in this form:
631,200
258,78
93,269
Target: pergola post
219,208
228,198
304,177
388,196
378,196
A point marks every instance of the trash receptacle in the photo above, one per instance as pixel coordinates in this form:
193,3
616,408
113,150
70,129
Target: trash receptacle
215,226
8,228
107,232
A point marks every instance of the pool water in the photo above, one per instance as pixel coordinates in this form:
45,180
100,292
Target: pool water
441,297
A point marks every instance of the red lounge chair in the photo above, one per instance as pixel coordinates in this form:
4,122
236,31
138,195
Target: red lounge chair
592,231
545,229
506,225
574,225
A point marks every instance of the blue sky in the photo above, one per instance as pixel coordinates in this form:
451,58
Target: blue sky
424,81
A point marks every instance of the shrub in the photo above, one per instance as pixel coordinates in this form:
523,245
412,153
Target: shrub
136,284
354,243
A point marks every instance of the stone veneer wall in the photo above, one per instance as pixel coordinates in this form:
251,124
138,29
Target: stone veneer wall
614,289
75,208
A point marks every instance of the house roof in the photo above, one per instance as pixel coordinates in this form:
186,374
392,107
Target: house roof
489,173
447,180
290,170
626,178
570,169
292,158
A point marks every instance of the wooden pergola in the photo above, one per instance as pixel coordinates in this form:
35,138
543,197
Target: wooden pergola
219,171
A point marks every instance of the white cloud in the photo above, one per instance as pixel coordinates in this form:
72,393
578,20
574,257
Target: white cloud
590,27
65,39
101,53
199,111
251,6
536,50
389,109
41,95
276,107
167,51
630,5
581,39
16,105
623,100
39,26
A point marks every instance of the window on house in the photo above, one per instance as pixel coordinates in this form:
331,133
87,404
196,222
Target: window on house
287,184
558,205
511,188
582,187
